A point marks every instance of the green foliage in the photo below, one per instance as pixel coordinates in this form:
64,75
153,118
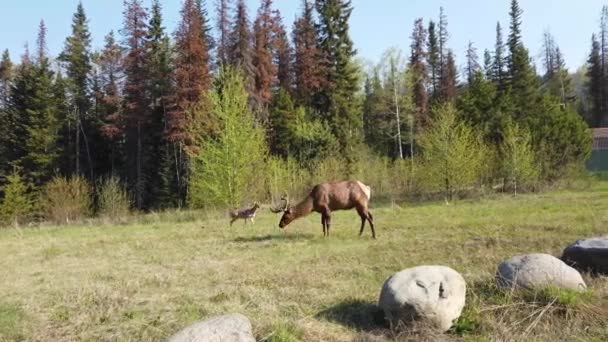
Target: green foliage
17,204
560,138
452,153
286,175
64,200
112,199
231,163
517,156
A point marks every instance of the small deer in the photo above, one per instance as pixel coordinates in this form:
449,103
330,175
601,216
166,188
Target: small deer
328,197
244,214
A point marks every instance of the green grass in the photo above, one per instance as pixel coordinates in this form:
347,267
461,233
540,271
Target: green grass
145,280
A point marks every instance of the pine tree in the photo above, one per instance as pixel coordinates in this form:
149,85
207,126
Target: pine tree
433,59
192,80
337,100
240,53
137,116
595,85
76,57
307,57
419,74
282,115
445,79
472,63
17,203
223,31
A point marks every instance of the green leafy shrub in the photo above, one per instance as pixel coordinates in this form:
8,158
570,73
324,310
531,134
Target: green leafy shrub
65,200
231,166
112,199
452,154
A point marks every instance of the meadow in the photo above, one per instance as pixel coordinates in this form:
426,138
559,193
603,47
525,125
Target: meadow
147,278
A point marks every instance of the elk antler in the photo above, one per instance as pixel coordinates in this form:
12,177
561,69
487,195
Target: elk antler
279,209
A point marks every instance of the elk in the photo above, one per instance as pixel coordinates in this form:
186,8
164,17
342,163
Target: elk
328,197
244,214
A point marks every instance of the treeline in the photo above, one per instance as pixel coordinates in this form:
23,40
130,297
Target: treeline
218,113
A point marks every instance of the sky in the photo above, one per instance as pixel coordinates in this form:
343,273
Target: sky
375,24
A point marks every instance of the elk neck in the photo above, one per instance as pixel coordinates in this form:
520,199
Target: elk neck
303,208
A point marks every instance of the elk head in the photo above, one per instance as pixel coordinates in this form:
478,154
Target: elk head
286,210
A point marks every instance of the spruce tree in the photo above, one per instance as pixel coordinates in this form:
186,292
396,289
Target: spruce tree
192,80
223,32
337,101
264,48
37,115
283,55
433,59
523,81
6,77
240,54
159,90
595,84
472,65
110,110
137,115
498,67
307,57
449,78
76,58
418,73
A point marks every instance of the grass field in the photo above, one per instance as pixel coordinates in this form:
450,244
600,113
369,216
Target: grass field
145,280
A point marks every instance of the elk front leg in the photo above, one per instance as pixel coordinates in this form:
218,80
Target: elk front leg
323,223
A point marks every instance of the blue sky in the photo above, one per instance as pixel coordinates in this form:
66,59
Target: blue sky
375,25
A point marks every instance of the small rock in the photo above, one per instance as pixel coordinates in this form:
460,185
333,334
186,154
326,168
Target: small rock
228,328
537,271
588,255
433,294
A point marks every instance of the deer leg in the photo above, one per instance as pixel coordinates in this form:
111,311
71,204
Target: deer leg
328,223
232,221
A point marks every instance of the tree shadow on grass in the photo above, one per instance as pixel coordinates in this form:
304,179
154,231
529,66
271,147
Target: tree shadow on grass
356,314
276,237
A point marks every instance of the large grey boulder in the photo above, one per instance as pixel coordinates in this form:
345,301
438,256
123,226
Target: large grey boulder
588,255
430,294
228,328
538,271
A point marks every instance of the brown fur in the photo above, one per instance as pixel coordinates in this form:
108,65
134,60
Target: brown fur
328,197
245,214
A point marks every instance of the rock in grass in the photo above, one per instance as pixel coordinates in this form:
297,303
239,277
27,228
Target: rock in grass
427,294
538,271
588,255
228,328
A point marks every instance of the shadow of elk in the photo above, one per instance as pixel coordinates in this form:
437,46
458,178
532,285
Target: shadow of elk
326,198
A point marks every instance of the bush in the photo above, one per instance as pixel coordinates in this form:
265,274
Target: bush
17,205
112,199
453,155
66,200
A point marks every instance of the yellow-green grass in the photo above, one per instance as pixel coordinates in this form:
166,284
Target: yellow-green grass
145,280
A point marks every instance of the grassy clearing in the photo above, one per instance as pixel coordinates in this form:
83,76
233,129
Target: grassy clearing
145,280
